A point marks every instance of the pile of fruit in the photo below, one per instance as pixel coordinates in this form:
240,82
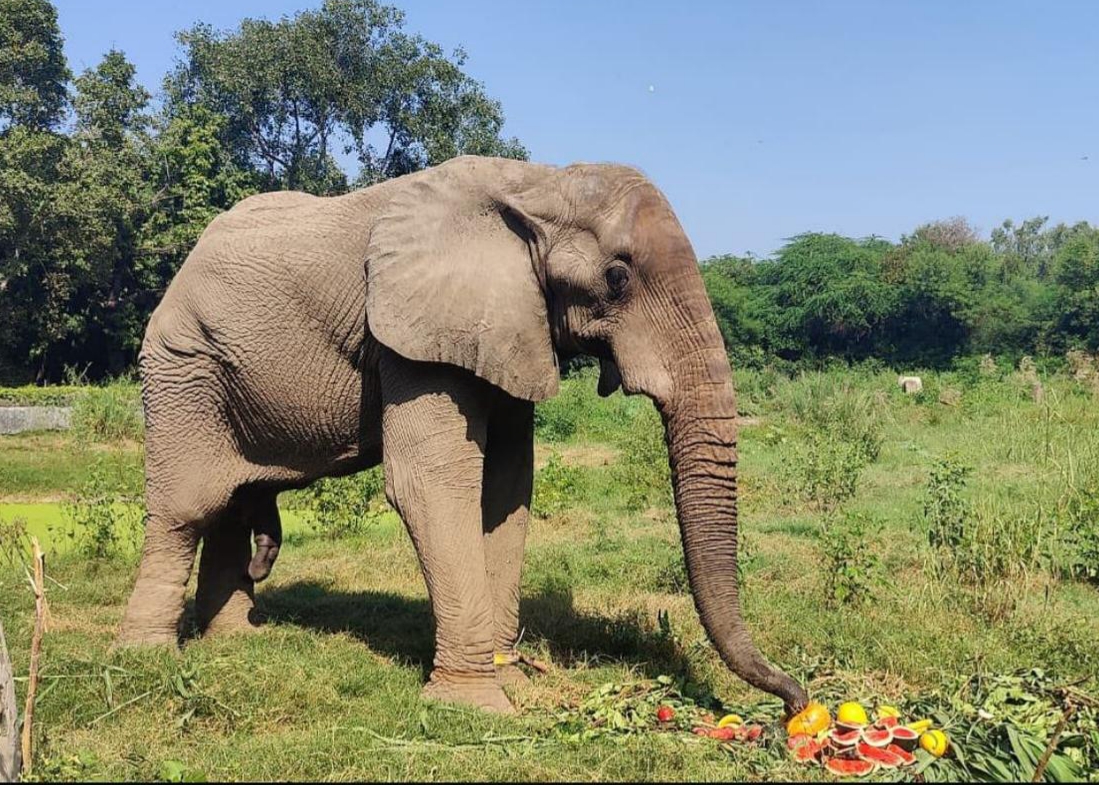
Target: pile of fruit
853,746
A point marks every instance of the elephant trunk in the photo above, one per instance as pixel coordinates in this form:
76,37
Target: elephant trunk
701,433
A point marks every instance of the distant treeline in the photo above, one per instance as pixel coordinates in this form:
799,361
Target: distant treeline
938,294
103,192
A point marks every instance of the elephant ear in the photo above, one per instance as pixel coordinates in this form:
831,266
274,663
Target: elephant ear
451,277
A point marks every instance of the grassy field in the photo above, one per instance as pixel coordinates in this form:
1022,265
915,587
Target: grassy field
936,552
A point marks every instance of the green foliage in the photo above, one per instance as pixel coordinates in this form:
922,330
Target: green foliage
346,506
107,413
945,508
295,88
32,65
642,471
1001,726
852,567
30,395
841,434
96,218
555,487
14,540
106,513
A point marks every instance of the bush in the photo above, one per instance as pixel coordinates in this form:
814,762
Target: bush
989,547
30,395
555,487
643,470
345,506
853,569
106,513
108,413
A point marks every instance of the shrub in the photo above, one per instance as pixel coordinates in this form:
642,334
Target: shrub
643,470
945,509
555,487
345,506
825,470
108,413
14,540
987,546
107,512
853,569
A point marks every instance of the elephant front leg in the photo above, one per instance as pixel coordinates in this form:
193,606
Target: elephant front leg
434,426
509,473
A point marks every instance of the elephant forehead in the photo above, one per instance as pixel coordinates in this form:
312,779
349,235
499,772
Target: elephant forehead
655,234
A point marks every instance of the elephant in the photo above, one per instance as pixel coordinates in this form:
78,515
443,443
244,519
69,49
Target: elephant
415,323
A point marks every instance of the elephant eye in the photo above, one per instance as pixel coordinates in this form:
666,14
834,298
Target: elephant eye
617,278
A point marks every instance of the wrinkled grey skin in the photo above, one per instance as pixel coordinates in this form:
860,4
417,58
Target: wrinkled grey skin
261,374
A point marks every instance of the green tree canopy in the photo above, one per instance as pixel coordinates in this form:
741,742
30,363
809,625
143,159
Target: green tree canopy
33,73
342,77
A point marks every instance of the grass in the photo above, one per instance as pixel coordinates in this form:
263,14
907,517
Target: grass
330,688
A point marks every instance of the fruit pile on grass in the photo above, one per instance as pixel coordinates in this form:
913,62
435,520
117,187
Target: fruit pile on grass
986,728
853,746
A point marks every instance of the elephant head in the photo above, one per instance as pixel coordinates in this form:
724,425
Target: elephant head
504,268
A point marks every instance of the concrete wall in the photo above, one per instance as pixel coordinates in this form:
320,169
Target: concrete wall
17,419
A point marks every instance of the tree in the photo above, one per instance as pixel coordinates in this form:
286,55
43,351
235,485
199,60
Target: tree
296,90
1077,266
72,212
33,74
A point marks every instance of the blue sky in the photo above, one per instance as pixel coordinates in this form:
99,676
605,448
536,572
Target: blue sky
763,119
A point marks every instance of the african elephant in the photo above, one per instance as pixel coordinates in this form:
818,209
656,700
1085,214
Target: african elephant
415,323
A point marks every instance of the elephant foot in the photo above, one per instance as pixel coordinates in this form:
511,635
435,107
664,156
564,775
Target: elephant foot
236,617
134,638
511,676
480,693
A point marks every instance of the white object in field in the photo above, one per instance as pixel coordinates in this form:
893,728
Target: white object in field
910,384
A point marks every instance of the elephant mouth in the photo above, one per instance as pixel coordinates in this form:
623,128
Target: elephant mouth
609,377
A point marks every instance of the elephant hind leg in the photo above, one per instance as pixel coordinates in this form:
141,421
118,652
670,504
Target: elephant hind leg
225,598
155,609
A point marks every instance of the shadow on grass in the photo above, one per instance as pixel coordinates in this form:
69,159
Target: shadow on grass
403,627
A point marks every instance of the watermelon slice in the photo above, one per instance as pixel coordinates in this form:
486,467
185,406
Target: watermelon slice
844,738
905,738
877,737
878,755
804,748
907,758
841,767
887,722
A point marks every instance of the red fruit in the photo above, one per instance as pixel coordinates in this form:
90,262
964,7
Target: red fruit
700,731
804,747
878,755
907,758
842,738
754,732
887,722
877,737
905,738
841,767
723,734
665,713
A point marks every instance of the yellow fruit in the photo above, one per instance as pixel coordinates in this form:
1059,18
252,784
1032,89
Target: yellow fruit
730,721
811,720
888,711
936,742
920,726
852,714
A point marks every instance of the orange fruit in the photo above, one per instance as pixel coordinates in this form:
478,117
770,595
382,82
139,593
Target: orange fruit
811,720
